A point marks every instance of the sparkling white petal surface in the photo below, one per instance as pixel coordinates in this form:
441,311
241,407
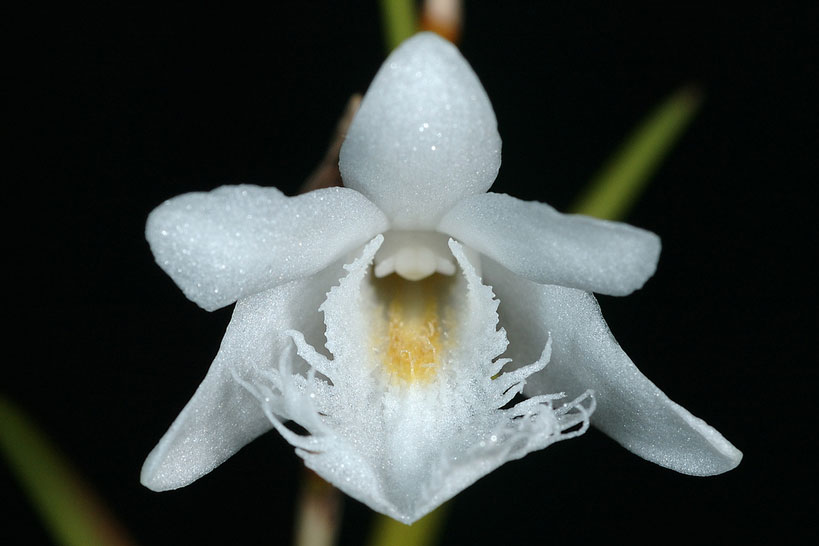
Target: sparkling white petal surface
403,438
222,416
424,137
236,241
404,448
537,242
630,408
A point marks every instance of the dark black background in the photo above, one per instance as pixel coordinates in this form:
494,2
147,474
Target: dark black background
115,110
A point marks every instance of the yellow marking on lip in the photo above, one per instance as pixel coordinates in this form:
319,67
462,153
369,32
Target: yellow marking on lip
413,331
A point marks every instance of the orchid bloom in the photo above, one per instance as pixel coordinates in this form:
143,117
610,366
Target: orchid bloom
452,301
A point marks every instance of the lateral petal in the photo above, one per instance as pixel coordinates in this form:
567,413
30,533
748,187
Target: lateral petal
535,241
585,355
425,135
236,241
223,416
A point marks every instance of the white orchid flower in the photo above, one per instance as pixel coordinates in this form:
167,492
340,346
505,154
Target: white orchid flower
453,299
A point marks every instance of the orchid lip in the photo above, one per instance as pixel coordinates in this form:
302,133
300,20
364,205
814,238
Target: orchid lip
439,417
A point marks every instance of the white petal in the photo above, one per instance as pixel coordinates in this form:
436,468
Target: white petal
425,135
537,242
403,449
239,240
630,408
222,416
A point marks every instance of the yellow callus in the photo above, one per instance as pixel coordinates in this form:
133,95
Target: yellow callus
413,329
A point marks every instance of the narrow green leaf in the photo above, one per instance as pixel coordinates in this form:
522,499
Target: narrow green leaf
70,511
424,532
617,186
399,19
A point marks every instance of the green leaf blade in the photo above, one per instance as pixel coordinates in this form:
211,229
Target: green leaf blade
399,21
611,194
70,511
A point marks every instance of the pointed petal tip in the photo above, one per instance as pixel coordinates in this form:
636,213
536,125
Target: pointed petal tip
428,40
690,446
722,458
164,470
150,476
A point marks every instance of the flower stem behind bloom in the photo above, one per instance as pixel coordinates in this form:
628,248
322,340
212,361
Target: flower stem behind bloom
424,532
398,20
612,192
318,512
443,17
326,174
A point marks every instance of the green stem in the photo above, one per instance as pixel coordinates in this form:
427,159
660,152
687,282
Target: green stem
617,186
424,532
399,20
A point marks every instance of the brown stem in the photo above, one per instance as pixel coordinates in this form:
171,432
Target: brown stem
326,174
